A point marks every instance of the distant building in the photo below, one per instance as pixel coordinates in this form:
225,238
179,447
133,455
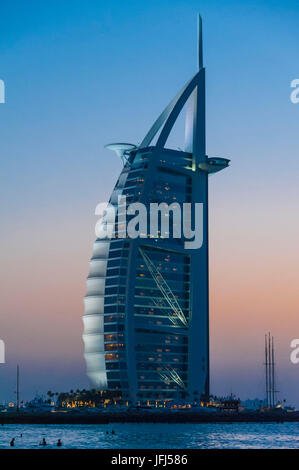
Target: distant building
146,318
254,404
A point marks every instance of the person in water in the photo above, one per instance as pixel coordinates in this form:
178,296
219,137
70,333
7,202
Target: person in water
59,443
12,442
44,442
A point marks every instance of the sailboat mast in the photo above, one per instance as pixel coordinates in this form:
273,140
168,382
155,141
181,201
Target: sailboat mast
18,388
269,370
266,364
273,373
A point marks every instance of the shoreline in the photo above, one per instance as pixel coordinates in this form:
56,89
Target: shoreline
139,417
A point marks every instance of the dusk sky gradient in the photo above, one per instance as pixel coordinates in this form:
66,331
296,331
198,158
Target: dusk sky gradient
81,74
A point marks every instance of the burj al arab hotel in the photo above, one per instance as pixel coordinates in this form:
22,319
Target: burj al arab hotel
146,317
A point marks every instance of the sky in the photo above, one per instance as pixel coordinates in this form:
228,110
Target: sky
81,74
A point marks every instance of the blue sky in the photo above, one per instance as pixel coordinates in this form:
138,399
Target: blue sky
79,75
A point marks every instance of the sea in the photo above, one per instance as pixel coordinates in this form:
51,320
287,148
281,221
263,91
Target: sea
153,436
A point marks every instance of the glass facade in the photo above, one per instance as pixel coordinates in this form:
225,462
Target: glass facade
160,350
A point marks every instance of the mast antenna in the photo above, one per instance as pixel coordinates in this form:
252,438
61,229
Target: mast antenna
199,42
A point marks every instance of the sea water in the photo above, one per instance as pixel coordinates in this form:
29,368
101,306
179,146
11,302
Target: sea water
153,436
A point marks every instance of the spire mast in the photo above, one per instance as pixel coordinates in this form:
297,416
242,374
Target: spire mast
199,42
195,127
